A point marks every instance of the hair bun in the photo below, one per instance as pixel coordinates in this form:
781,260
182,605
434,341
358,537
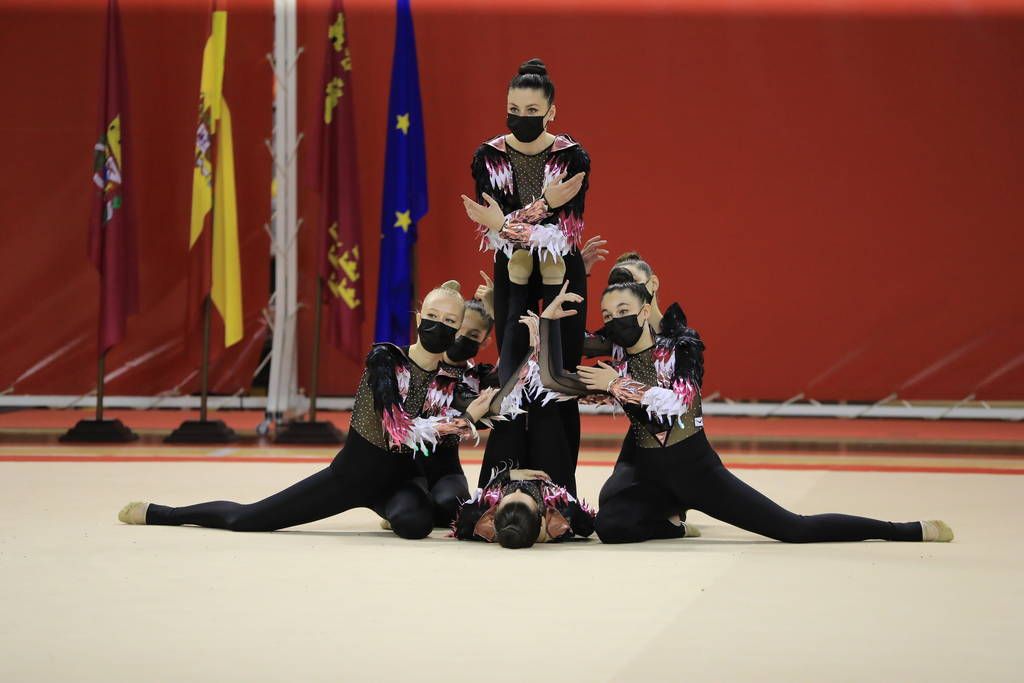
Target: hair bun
629,256
452,285
533,66
619,275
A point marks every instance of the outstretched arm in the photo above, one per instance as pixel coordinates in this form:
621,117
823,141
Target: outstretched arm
552,373
660,402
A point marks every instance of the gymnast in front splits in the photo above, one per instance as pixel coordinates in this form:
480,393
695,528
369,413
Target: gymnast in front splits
402,409
658,386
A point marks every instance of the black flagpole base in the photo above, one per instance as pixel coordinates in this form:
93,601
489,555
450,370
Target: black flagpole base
309,432
202,431
99,431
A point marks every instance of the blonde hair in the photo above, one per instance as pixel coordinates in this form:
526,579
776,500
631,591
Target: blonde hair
447,288
632,258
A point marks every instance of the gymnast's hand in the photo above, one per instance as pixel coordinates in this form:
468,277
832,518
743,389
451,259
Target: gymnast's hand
528,475
478,408
554,311
592,252
485,294
489,216
532,323
561,191
597,378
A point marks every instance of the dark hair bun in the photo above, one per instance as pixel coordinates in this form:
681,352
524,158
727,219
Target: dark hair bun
533,66
619,275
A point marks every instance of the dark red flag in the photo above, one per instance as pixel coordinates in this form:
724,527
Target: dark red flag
112,246
339,253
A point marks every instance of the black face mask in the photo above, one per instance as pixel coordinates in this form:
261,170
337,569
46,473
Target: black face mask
435,336
526,128
462,349
624,331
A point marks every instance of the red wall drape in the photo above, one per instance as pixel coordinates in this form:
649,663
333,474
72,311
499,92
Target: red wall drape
51,55
832,196
831,193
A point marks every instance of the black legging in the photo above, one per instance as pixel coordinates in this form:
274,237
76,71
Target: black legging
446,481
690,475
360,476
546,438
510,301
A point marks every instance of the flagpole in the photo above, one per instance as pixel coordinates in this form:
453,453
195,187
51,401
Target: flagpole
315,371
99,386
204,369
204,430
311,431
99,430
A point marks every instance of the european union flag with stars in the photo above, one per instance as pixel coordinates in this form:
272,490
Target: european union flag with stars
405,187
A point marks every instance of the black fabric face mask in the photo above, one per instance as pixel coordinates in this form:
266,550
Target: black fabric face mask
462,349
526,128
624,331
435,336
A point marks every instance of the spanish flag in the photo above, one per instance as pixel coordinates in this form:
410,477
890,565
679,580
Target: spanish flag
213,188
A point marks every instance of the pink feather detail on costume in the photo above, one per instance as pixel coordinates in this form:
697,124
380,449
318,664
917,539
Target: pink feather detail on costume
664,364
500,173
572,228
491,496
397,426
686,391
440,395
552,169
555,495
403,377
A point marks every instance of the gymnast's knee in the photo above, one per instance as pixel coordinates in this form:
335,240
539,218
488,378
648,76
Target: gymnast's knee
413,524
446,505
614,528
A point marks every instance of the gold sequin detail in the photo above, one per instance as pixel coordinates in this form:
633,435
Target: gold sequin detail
366,420
529,174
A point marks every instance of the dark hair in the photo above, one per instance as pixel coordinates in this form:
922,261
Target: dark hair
534,74
629,285
478,307
632,258
516,525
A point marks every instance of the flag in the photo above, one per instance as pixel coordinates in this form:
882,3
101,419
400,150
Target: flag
405,187
112,228
213,188
339,250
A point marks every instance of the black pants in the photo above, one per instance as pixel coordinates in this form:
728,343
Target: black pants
546,438
446,481
641,495
360,476
509,305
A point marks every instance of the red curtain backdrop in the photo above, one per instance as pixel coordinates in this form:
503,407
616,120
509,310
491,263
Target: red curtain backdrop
51,54
833,194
